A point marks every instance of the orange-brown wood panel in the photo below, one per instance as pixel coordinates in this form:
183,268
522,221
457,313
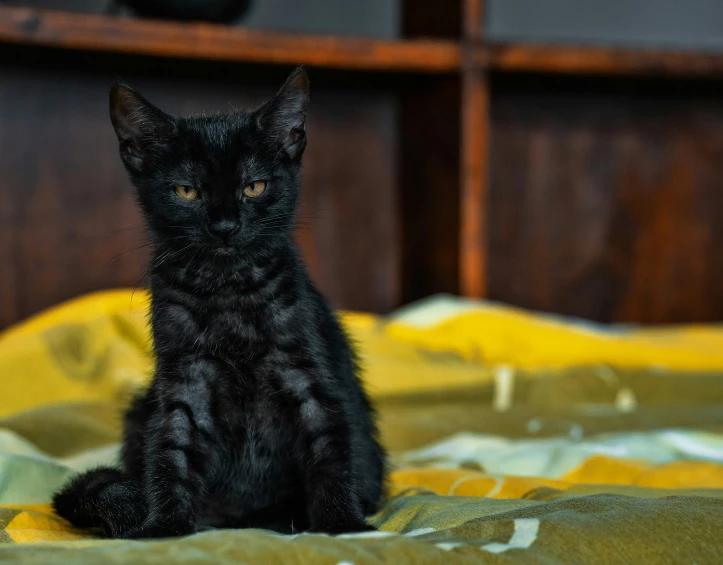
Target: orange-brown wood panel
474,145
68,209
474,12
606,198
576,59
473,184
210,41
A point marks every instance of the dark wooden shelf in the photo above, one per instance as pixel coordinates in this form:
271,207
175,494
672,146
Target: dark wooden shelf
218,42
573,59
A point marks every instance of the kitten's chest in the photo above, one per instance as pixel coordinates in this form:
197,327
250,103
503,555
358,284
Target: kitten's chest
256,451
233,327
235,319
231,332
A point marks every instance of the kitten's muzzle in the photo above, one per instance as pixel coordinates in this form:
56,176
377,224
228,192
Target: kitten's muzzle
224,229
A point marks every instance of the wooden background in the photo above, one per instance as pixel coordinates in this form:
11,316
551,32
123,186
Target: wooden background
579,181
68,212
606,198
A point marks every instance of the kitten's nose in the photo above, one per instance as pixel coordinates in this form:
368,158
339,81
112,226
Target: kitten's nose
223,229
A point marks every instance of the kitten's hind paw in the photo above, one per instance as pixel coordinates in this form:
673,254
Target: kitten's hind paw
102,499
81,500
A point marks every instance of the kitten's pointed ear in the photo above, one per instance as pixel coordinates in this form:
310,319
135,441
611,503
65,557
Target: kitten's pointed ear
284,116
139,125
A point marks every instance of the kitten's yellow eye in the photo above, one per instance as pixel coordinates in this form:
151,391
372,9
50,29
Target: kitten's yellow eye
187,192
255,189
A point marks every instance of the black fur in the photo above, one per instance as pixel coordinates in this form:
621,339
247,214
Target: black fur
255,416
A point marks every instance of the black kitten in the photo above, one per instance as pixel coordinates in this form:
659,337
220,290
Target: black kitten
255,416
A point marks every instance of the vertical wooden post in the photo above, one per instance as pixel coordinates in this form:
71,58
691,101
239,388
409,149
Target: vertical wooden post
473,18
474,157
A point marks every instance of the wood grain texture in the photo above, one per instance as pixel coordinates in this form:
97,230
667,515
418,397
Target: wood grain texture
606,198
473,18
473,187
474,143
68,209
575,59
217,42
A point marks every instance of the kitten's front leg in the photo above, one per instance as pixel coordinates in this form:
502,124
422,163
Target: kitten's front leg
333,503
179,449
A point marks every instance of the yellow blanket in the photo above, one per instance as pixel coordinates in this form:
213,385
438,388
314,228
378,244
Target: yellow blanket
550,440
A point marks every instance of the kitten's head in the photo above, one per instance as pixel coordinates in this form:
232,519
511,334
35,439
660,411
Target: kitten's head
226,184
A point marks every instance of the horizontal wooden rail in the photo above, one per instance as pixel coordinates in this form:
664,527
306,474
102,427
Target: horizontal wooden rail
574,59
219,42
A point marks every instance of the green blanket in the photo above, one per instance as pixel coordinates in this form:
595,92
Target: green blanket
592,463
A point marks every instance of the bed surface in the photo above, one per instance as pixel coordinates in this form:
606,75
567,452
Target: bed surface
514,438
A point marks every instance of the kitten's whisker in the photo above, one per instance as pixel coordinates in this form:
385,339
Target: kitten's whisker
127,251
276,216
138,282
274,226
169,255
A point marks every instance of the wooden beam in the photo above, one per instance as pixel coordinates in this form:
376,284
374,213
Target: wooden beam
572,59
473,201
473,157
219,42
473,14
210,41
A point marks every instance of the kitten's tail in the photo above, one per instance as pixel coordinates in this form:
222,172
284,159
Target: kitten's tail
103,498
